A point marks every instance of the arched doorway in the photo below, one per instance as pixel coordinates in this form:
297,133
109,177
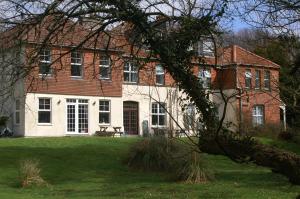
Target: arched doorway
131,117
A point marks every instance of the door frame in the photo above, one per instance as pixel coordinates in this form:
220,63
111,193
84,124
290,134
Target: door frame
138,116
76,116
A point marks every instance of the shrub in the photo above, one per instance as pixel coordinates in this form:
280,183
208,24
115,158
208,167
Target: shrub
286,135
3,120
192,169
30,173
167,155
291,135
153,153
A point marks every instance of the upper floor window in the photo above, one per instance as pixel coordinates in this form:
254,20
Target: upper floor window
248,79
104,67
257,79
130,72
76,64
258,113
17,111
45,62
160,75
205,77
206,48
267,78
158,114
104,112
44,111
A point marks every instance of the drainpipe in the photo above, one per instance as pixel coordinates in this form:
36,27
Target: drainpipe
239,97
283,107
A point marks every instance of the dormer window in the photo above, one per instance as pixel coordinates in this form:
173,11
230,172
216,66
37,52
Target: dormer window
206,48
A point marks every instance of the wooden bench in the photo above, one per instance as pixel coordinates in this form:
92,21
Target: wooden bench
104,133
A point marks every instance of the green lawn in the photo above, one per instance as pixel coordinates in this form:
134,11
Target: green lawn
90,167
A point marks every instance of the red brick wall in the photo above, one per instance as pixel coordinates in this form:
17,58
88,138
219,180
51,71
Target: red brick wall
62,82
269,98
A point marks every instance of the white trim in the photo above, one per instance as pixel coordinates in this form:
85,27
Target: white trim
109,111
131,71
80,59
105,66
159,114
48,110
76,104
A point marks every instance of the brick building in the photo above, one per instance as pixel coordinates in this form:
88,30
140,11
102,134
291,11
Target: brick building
76,92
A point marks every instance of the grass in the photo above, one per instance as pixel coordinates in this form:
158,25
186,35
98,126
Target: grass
91,167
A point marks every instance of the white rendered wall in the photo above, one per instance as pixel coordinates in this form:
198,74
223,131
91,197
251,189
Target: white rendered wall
58,124
146,95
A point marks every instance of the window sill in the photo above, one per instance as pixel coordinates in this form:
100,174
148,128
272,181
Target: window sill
130,83
45,124
77,77
105,79
104,124
45,76
159,127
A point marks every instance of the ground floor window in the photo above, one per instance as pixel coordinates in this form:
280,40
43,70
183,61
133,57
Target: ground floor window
104,112
158,114
44,112
258,115
189,117
17,112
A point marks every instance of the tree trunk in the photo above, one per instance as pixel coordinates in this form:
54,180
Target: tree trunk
247,149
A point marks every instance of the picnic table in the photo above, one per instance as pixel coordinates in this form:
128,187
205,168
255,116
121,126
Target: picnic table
104,132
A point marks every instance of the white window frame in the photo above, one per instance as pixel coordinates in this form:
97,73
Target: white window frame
248,75
42,60
17,111
104,111
267,80
159,71
256,115
79,63
45,110
204,77
131,66
105,66
158,104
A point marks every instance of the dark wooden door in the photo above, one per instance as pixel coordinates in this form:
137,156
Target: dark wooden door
131,118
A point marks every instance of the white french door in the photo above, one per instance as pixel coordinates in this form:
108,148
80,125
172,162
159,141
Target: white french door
77,116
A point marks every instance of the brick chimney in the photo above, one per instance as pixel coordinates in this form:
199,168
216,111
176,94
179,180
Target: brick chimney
234,53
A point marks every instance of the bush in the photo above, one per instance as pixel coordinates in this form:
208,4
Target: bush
3,120
291,135
193,170
286,135
167,155
30,174
153,153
